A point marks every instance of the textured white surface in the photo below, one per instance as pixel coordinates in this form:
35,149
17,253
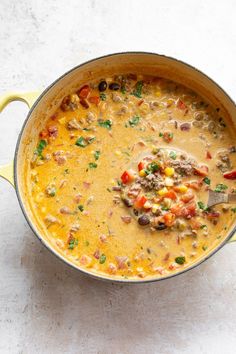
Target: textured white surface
46,307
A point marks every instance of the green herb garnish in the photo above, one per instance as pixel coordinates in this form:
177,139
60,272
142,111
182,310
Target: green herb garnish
203,227
105,123
66,171
207,180
72,243
204,248
173,155
202,206
92,165
81,142
123,89
134,121
165,208
160,135
153,167
103,96
102,259
41,145
180,260
233,210
220,187
81,207
97,154
138,89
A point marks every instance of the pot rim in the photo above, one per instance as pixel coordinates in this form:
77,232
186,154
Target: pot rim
31,224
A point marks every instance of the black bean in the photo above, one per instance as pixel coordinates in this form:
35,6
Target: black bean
161,226
102,86
135,211
128,202
114,86
143,220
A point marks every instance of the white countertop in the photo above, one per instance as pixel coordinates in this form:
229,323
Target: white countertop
46,307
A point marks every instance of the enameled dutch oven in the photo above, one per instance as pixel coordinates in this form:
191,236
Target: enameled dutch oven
43,104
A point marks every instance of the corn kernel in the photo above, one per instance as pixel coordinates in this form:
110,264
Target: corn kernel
162,191
118,153
155,207
147,205
169,182
167,202
142,173
169,102
182,188
169,171
62,120
158,93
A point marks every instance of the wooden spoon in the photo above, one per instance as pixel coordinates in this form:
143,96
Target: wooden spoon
218,198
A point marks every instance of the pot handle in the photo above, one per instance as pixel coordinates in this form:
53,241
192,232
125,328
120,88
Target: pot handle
7,171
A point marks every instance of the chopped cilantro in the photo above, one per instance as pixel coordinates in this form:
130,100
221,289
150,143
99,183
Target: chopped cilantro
91,139
160,135
102,259
233,210
103,96
134,121
92,165
97,154
173,155
105,123
220,187
72,243
204,248
180,260
138,89
41,145
81,207
207,180
123,89
153,167
202,206
81,142
66,171
165,208
203,227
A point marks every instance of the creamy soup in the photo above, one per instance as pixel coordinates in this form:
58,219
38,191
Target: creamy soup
121,174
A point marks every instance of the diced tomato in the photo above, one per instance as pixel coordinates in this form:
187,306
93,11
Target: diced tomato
189,211
127,177
140,102
84,91
230,175
94,99
171,194
169,219
168,136
181,104
177,209
140,201
44,133
187,197
201,171
194,185
208,155
195,224
212,215
141,166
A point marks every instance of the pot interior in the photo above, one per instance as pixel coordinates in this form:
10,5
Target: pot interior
48,102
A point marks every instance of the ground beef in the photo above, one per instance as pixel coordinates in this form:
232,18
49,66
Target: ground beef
184,167
151,182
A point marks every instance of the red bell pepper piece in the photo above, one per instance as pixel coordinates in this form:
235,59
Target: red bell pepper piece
169,219
94,99
140,201
84,91
141,166
208,155
127,177
230,175
181,104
